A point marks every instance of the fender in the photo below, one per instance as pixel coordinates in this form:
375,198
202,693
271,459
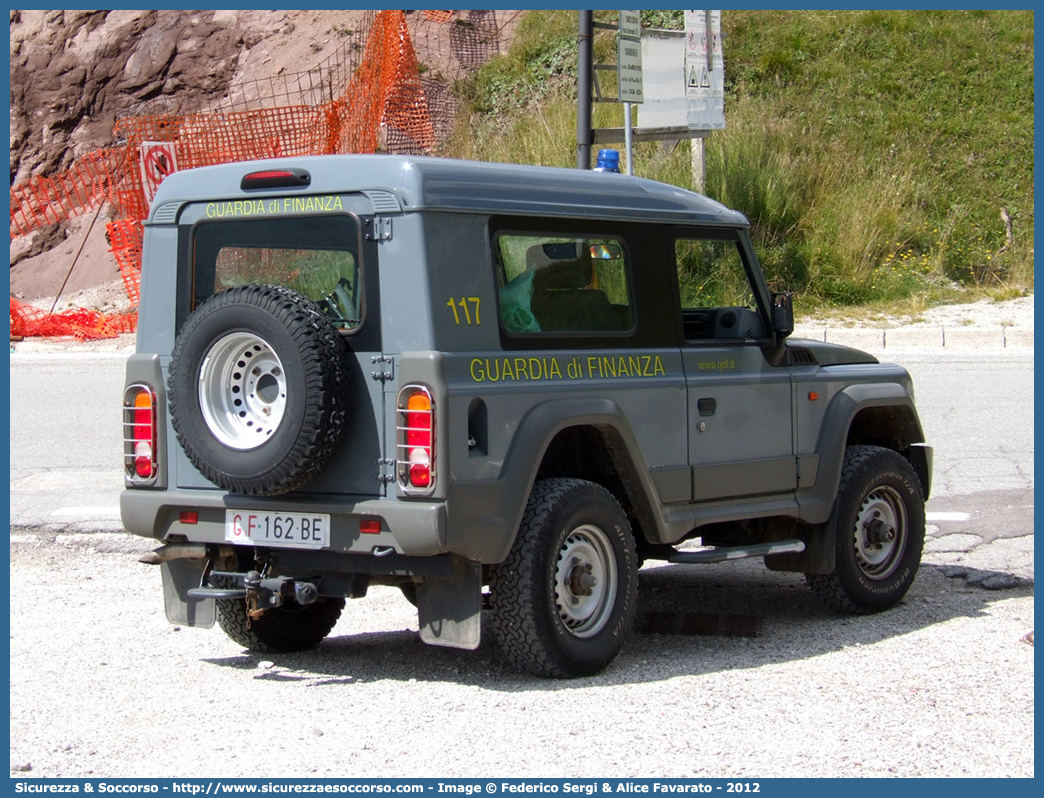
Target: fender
485,515
817,503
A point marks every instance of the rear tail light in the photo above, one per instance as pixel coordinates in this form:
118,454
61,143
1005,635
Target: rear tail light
415,446
139,433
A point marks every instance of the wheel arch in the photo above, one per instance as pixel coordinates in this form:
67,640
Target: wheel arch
600,453
486,515
878,414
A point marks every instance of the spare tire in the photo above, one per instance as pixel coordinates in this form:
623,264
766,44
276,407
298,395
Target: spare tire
259,389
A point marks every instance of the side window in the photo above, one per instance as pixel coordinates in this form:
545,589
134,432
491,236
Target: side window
315,256
555,284
717,301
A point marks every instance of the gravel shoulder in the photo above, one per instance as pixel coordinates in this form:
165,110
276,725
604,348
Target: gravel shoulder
984,313
981,325
101,685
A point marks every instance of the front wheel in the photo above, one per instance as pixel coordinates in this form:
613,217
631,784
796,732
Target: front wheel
878,531
563,602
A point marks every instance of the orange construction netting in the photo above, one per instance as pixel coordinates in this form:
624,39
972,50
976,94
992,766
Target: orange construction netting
384,92
86,325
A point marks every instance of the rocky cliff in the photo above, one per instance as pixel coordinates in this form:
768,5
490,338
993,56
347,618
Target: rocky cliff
73,73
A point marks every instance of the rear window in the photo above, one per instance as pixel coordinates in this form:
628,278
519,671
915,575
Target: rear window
318,256
556,284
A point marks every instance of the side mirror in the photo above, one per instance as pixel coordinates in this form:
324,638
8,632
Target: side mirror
782,315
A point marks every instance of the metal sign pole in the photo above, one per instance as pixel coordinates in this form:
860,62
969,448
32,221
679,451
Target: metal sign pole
628,144
583,91
629,73
699,167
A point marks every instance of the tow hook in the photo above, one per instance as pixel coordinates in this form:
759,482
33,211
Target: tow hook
261,594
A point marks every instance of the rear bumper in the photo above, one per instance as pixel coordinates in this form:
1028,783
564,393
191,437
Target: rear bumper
410,528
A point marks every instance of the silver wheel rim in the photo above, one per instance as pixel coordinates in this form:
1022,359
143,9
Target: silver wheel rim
585,581
880,533
242,390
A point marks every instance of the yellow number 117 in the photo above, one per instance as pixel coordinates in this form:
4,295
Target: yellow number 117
463,303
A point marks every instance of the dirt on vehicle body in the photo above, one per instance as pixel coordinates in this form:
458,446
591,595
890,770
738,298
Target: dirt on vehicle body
497,387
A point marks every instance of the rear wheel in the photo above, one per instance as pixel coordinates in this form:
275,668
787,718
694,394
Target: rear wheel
878,531
409,592
290,627
563,602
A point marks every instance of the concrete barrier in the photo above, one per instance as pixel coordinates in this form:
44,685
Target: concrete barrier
958,338
1018,337
913,337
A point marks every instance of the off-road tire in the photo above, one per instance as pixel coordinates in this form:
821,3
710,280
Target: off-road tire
284,629
868,576
566,521
309,393
409,592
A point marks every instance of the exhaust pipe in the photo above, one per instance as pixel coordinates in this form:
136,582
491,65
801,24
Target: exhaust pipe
175,551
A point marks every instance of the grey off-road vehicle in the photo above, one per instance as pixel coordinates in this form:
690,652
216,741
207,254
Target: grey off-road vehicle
498,388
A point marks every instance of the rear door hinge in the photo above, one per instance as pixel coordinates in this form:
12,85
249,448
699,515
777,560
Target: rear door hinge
377,229
386,462
388,373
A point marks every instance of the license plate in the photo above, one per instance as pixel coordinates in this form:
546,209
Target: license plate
284,530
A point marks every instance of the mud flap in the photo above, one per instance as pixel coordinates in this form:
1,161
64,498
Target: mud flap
817,558
449,611
180,576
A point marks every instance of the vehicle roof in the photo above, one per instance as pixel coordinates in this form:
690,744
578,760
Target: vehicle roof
426,183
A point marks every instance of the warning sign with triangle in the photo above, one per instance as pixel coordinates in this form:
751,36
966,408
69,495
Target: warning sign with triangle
704,78
693,81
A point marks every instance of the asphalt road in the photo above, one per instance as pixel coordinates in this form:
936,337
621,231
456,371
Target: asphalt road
977,412
66,440
942,685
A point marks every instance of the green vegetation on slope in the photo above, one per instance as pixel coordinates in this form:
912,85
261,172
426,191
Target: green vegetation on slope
874,152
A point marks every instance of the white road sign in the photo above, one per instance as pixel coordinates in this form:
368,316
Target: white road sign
631,24
663,57
704,71
631,85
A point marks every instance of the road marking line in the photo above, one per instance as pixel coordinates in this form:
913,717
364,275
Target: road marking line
947,516
87,512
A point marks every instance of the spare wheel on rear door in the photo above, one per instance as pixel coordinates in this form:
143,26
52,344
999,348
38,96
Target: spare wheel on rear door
259,389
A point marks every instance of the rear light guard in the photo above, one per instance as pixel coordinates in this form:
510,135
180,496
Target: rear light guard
415,441
139,435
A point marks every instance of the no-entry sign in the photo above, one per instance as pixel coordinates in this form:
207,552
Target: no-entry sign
158,160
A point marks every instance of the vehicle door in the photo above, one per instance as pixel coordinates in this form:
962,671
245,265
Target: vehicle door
740,425
580,302
320,255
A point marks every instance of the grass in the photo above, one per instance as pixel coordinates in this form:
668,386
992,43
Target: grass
874,152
